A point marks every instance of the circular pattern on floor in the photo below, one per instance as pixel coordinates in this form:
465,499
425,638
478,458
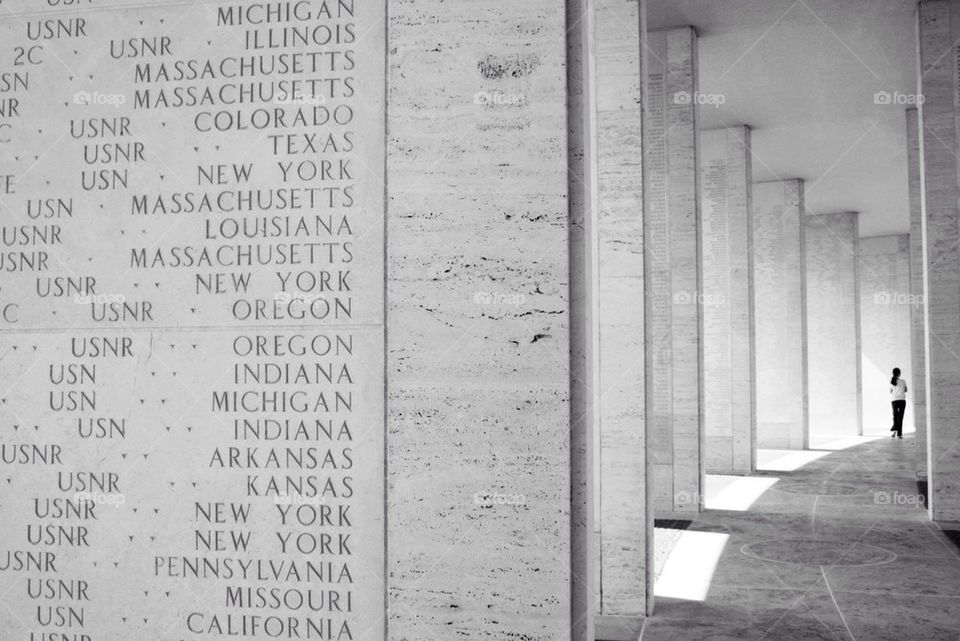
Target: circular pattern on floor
814,552
819,489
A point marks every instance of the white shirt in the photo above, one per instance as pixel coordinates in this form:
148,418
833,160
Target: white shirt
898,392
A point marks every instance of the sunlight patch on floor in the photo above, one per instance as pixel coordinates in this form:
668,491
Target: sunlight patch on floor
835,444
787,460
736,493
688,571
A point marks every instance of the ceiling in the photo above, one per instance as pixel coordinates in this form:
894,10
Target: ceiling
803,74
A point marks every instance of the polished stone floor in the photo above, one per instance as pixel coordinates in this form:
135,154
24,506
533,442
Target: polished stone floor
832,544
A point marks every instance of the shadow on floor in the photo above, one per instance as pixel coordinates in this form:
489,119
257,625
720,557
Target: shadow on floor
838,549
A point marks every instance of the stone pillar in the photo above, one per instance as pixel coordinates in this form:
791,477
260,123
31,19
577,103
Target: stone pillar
485,358
727,300
938,29
779,276
918,369
885,306
833,325
624,519
672,266
581,269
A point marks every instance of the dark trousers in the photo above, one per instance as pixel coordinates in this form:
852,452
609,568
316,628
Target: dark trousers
899,407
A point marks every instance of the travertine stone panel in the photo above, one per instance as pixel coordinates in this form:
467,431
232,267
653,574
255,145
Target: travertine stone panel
673,278
885,308
918,369
623,504
479,347
192,350
833,324
939,27
780,314
726,188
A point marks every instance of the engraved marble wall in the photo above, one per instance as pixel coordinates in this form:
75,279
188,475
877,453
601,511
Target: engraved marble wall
779,274
833,324
196,362
727,300
672,268
885,308
192,344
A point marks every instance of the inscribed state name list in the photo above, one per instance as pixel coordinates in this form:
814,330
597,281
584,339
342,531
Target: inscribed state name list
191,320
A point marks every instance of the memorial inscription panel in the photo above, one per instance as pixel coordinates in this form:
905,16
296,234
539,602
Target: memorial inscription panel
191,320
657,247
833,324
672,282
727,302
779,276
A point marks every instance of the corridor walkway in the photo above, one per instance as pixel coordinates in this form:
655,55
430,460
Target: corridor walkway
837,549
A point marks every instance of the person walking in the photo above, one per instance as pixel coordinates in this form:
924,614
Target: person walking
898,398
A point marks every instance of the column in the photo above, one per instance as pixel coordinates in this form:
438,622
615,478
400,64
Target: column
624,521
918,369
939,28
727,300
672,265
779,275
833,325
485,344
885,309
